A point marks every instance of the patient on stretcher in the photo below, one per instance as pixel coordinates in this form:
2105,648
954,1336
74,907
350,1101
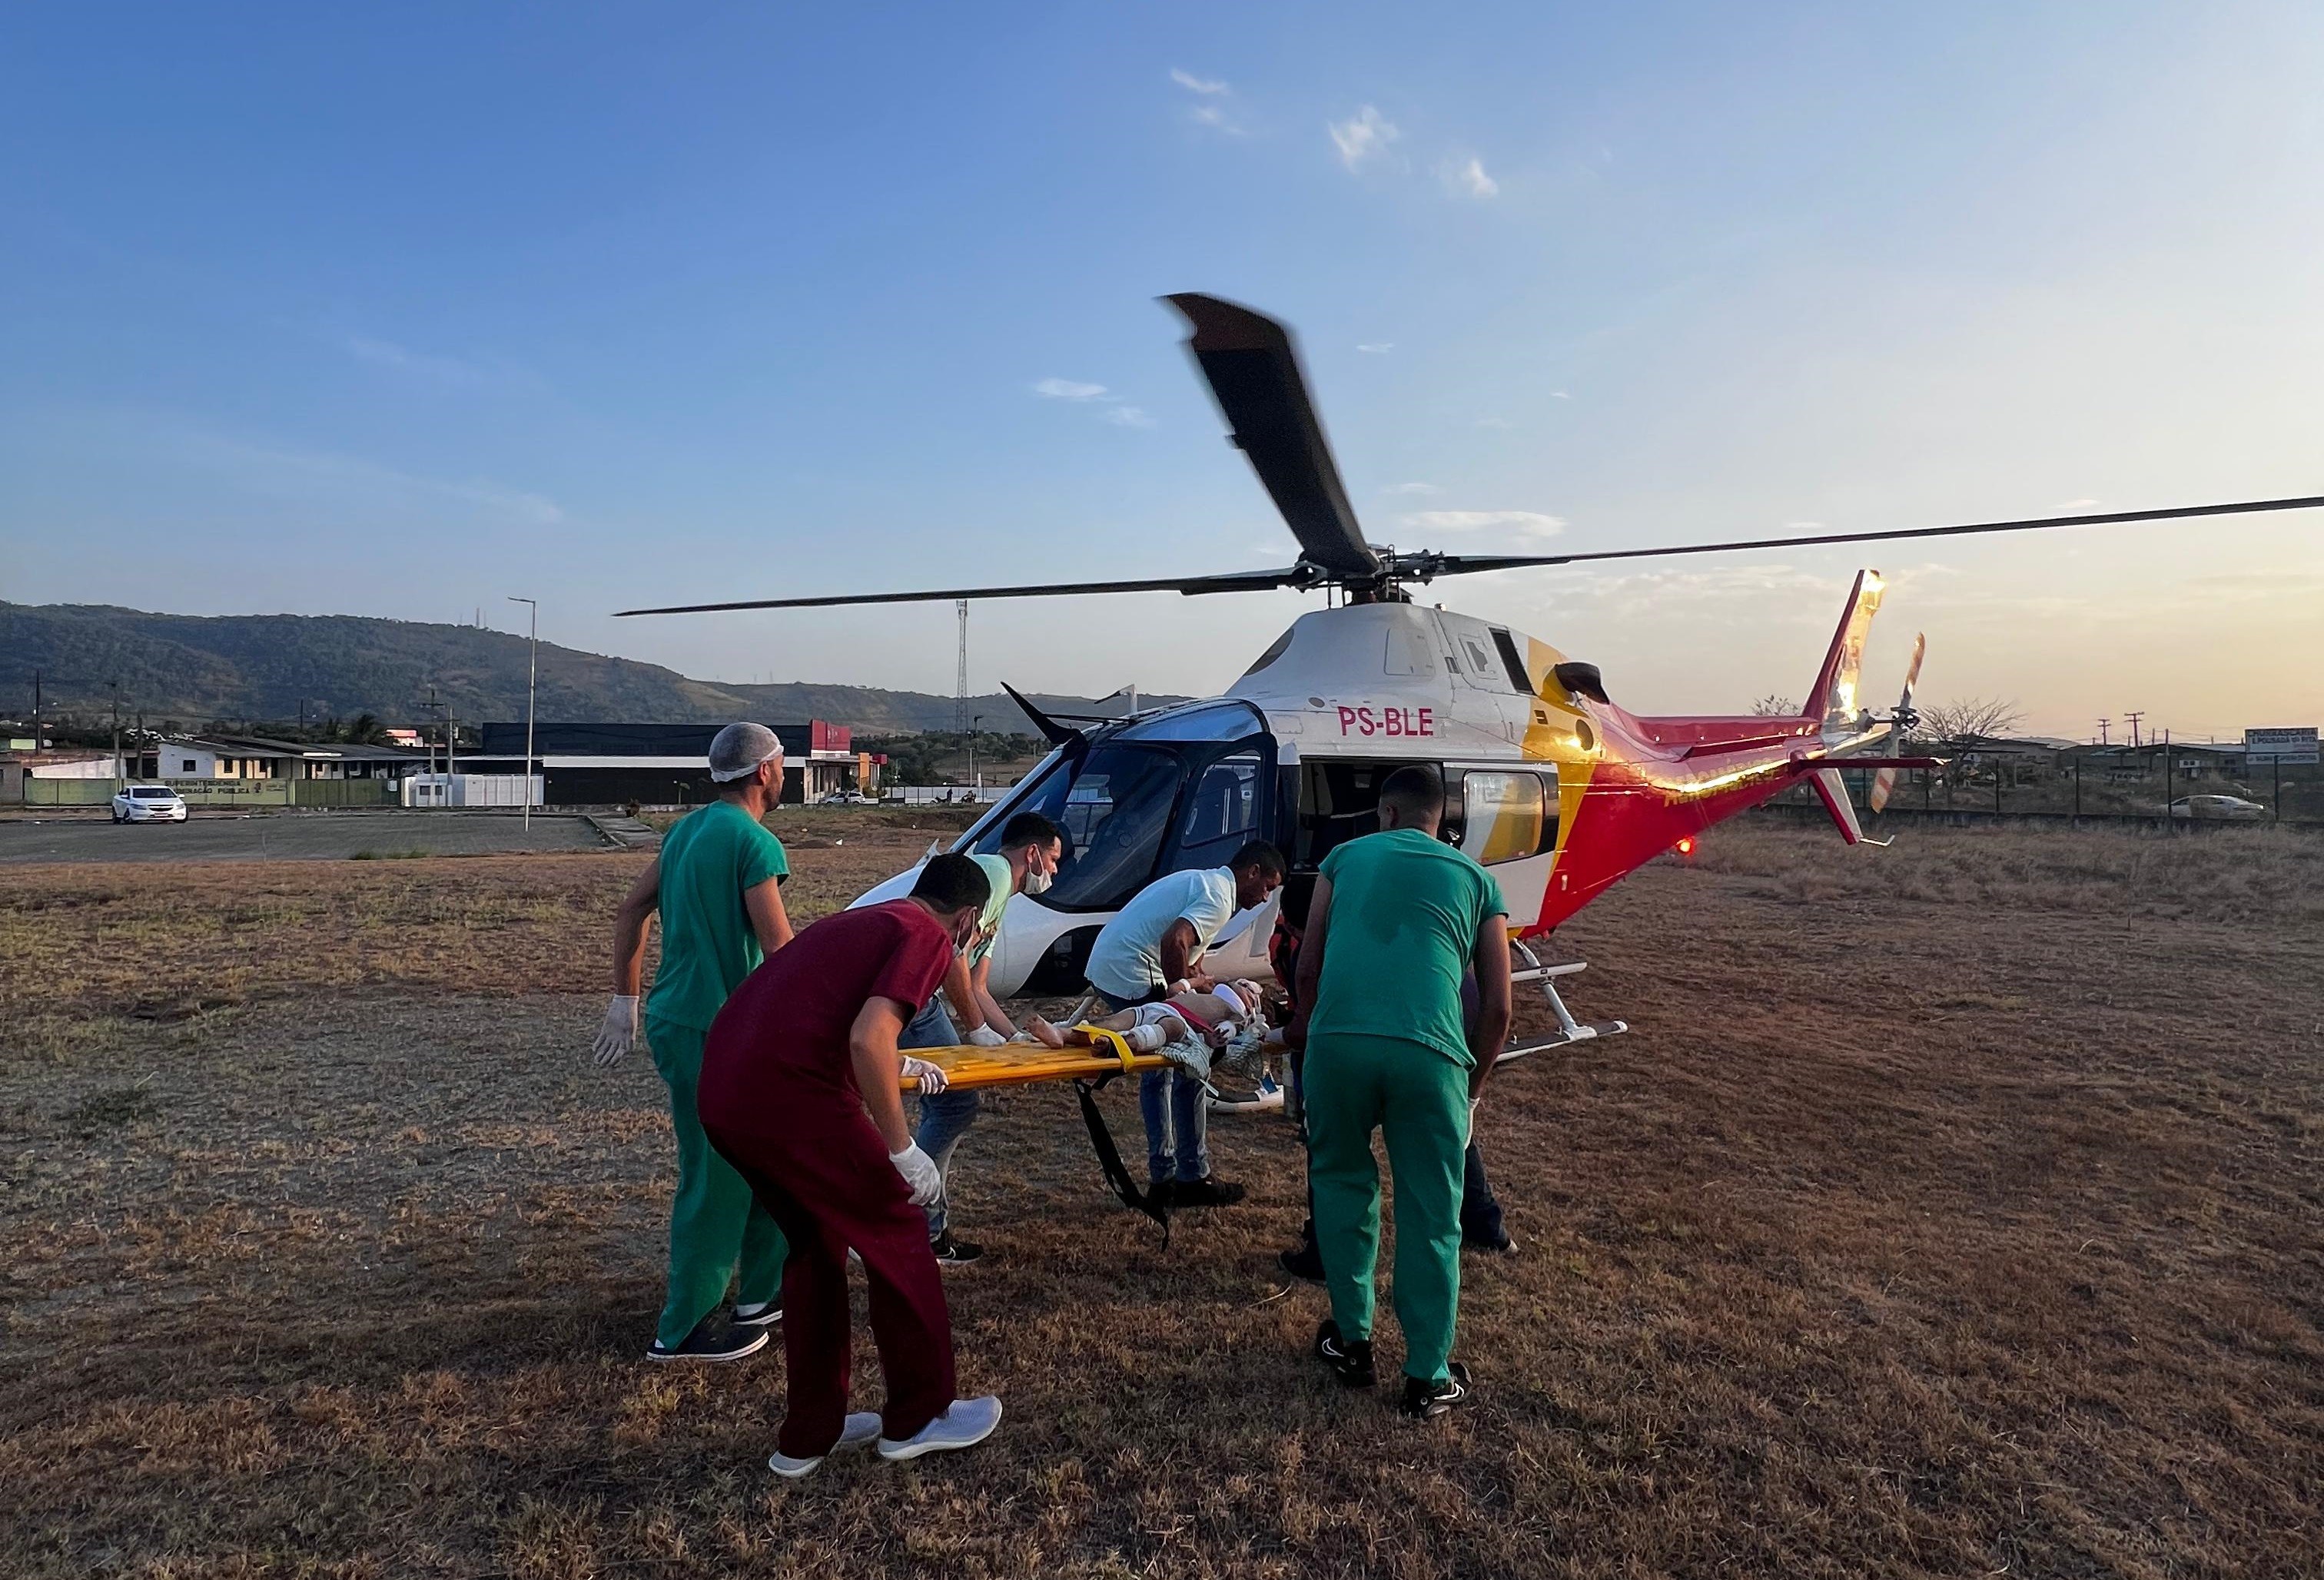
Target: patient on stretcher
1214,1019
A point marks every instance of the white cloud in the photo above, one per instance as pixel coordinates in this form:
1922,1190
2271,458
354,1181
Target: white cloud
1111,407
1467,179
1362,137
1524,523
1213,111
1412,488
1559,396
1376,347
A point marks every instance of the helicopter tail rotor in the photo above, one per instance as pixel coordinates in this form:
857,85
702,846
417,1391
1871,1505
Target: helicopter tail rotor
1900,723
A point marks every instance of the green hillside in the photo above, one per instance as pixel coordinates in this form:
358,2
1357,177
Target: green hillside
247,668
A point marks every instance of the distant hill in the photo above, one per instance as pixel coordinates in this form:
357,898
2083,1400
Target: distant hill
195,668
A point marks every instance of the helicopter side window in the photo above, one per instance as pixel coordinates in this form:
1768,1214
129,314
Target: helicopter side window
1223,812
1503,816
1511,664
1480,659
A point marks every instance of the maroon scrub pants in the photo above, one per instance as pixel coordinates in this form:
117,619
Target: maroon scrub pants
817,1164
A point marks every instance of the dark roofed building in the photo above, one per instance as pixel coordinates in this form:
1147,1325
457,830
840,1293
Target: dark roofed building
655,764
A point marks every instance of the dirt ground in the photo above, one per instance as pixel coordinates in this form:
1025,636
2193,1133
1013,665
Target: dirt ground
1954,1209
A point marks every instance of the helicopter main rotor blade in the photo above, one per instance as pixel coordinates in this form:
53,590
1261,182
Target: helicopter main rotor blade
1252,367
1470,564
1241,581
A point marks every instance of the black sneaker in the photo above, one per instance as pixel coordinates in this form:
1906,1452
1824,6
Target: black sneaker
1204,1193
958,1252
1425,1401
1506,1245
713,1338
1303,1261
765,1315
1351,1360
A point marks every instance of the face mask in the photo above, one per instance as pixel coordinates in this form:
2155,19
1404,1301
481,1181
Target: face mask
1035,883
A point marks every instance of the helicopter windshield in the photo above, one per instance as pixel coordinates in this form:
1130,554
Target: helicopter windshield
1115,804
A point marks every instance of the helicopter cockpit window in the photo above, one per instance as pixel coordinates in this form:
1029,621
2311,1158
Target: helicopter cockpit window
1502,816
1112,815
1222,812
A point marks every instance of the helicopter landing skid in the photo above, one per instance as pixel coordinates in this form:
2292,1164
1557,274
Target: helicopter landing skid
1569,1030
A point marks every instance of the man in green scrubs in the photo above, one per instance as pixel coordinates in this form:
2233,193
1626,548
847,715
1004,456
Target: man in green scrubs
716,884
1398,918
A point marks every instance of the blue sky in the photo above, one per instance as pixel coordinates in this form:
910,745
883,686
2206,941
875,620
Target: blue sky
397,310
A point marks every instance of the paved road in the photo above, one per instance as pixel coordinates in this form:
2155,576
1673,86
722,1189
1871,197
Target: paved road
220,836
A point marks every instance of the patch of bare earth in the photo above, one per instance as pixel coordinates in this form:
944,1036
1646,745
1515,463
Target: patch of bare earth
1952,1209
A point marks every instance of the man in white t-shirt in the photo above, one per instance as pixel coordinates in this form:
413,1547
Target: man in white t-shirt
1156,940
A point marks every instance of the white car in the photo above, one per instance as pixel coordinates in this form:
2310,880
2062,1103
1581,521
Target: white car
2216,807
148,803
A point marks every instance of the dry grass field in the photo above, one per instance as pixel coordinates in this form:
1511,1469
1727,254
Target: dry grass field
1954,1209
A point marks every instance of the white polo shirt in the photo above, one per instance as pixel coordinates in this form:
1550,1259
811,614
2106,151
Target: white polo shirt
1126,961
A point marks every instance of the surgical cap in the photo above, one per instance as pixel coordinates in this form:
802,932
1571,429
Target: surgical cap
738,749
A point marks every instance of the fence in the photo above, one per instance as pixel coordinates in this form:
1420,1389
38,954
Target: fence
2074,788
937,795
66,792
221,792
470,789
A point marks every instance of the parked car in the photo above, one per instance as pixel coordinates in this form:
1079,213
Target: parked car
2216,807
148,803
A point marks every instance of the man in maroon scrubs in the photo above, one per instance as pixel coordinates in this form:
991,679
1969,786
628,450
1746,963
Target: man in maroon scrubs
799,1092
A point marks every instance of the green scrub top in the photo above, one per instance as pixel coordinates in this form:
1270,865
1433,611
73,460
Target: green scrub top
708,860
1406,910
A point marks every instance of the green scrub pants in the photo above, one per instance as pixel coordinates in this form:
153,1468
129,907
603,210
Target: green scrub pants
1419,1099
715,1222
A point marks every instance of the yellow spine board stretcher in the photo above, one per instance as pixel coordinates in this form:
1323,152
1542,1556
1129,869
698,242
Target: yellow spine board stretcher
968,1067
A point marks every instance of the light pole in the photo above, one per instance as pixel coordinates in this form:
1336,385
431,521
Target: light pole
975,723
531,684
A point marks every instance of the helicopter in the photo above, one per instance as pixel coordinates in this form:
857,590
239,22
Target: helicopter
1550,783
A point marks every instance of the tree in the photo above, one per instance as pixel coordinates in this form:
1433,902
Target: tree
1967,722
1774,706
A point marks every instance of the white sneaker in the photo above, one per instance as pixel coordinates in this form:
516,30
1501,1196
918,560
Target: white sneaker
969,1421
862,1427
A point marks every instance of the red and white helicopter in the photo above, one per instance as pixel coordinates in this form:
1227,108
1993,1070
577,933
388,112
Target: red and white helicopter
1550,782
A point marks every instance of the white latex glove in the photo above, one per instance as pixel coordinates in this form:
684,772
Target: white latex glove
931,1076
986,1036
920,1172
619,1034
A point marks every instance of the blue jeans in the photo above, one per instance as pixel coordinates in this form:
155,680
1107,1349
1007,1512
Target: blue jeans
1176,1113
944,1117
